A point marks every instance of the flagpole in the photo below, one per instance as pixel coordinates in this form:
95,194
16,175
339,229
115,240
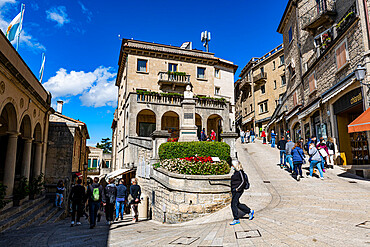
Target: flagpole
21,25
41,74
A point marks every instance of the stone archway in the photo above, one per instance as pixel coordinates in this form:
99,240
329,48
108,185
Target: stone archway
145,123
215,122
171,122
198,123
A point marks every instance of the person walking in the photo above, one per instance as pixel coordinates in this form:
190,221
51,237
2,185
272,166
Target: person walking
247,136
121,198
59,195
95,195
331,151
281,145
288,150
203,136
253,135
315,160
273,138
323,150
263,135
213,135
77,197
239,182
242,134
110,192
298,160
135,192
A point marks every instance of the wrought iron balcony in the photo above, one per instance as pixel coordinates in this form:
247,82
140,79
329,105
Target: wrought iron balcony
261,77
173,78
321,13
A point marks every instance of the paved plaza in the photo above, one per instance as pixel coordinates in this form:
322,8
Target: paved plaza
312,212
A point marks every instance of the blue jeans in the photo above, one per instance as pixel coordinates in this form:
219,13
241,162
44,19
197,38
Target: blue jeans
120,208
289,158
282,157
58,199
252,138
318,165
93,210
242,139
322,163
298,168
272,142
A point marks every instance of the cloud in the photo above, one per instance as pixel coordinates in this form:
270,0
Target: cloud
58,14
87,12
3,2
95,88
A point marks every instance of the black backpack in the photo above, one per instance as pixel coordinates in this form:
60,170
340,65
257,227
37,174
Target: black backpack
246,181
111,194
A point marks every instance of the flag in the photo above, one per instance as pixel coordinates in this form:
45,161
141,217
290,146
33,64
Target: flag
41,73
15,27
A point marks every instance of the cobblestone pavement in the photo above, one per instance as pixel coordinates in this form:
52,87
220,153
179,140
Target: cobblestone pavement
311,212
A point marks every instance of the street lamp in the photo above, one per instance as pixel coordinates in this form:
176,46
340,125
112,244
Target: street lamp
85,166
360,72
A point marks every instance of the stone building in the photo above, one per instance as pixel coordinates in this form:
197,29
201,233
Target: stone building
25,109
99,163
67,150
324,43
259,89
151,81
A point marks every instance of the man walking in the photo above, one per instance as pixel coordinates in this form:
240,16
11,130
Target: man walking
77,197
281,146
288,150
242,134
110,193
253,135
273,138
95,194
121,198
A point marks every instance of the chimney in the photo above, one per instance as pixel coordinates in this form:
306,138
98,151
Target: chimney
60,106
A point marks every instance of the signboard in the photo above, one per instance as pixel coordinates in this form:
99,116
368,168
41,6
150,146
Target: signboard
348,100
188,115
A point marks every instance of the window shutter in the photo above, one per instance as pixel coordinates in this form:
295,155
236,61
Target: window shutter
311,82
341,55
295,99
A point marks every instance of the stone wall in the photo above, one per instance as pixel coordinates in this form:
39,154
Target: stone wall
178,198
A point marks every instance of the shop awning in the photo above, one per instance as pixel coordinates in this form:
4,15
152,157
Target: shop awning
362,123
117,173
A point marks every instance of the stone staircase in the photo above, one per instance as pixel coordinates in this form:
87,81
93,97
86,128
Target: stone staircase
32,213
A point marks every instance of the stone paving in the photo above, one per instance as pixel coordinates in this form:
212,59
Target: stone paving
310,212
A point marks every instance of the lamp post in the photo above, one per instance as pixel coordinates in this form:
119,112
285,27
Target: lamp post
360,72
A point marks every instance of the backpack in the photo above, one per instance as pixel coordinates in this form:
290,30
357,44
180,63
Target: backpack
111,194
246,181
96,194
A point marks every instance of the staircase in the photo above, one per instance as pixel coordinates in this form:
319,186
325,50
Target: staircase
32,213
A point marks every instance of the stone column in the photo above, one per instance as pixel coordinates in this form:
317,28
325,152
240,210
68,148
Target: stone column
9,170
38,158
26,162
229,138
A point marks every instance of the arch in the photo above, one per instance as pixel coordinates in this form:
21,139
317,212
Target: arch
145,123
198,123
215,122
8,119
26,128
37,133
170,121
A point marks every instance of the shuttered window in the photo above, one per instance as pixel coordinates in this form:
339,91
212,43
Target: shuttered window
295,99
312,82
341,55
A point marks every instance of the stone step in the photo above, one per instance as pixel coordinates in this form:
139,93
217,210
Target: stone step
59,215
14,210
45,218
33,217
14,219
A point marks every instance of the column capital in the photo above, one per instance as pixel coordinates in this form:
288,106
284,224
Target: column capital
27,139
13,134
38,142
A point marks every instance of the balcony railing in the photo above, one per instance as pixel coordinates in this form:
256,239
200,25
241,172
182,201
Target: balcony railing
160,99
244,83
211,103
261,77
319,14
166,77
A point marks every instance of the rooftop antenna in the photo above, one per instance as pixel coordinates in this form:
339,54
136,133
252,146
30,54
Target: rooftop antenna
205,37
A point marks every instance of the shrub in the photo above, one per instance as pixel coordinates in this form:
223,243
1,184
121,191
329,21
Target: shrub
36,185
3,202
22,190
172,150
188,167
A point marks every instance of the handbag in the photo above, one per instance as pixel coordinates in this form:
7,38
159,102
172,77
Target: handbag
331,152
303,160
323,152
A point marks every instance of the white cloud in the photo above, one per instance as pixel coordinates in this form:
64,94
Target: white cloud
3,2
86,11
58,14
95,88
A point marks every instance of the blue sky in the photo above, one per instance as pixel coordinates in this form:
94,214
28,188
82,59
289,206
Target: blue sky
80,40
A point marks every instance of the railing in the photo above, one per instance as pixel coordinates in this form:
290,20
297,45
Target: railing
344,22
245,82
212,103
260,76
159,99
173,77
317,11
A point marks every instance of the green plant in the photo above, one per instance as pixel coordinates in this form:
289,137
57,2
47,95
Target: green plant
91,168
22,189
183,166
36,185
172,150
3,202
156,165
176,73
210,98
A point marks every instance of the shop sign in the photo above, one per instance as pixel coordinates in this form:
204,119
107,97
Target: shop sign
348,100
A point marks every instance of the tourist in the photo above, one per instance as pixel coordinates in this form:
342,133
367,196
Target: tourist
298,160
331,150
95,194
135,192
213,136
281,145
288,150
323,149
247,136
242,134
273,138
121,198
77,197
315,160
239,182
253,135
203,136
110,192
263,135
59,194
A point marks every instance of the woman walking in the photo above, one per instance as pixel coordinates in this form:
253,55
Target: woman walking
59,194
323,150
135,192
315,160
110,192
331,151
121,198
239,180
298,160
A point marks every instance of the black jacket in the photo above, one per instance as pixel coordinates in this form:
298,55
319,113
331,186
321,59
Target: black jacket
77,193
135,192
121,191
330,145
90,189
238,181
281,144
110,192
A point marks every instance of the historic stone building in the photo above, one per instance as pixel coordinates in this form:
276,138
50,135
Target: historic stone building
24,119
324,42
152,80
259,89
98,163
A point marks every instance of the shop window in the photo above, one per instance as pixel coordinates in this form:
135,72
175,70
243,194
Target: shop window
312,82
341,55
142,65
172,67
201,73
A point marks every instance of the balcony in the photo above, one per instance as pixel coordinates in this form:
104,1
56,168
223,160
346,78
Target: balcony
319,14
245,83
159,98
260,78
173,79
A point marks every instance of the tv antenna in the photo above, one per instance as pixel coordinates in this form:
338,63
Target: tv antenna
205,37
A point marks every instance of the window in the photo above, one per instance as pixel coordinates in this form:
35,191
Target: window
290,34
217,73
89,163
251,107
263,89
312,82
283,80
201,73
295,99
172,67
107,163
341,55
262,69
142,65
263,107
273,65
275,84
95,163
282,60
217,91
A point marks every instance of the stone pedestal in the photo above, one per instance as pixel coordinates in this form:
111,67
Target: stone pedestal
229,138
159,137
188,129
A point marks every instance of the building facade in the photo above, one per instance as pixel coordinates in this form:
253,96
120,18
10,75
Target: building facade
168,89
324,43
99,163
259,90
25,109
